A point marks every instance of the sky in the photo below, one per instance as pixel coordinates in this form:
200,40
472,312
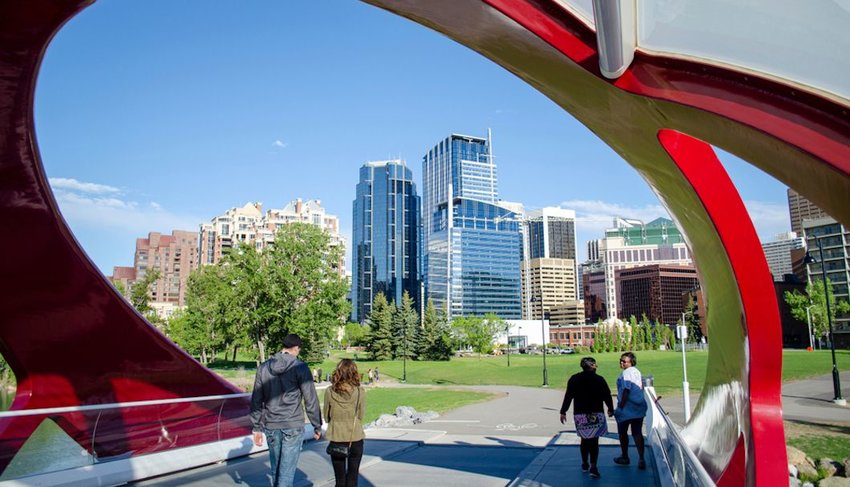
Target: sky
156,116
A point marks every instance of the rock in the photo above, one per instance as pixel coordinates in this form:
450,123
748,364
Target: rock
829,467
807,472
794,482
834,482
792,471
846,463
404,416
808,484
797,457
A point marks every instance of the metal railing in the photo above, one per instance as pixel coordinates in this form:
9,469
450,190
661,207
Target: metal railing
40,441
676,463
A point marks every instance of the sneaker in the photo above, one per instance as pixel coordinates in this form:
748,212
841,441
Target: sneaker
585,467
594,473
622,461
642,464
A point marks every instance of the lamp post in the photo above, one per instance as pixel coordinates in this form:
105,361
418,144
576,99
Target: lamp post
404,363
836,381
508,335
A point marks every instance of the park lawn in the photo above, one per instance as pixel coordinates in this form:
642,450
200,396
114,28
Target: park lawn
527,370
835,447
385,400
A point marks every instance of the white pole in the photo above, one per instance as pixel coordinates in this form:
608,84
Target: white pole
809,321
686,390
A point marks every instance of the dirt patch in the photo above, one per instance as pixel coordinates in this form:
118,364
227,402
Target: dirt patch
794,429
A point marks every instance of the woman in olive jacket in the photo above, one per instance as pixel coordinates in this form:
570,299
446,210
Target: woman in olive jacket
345,407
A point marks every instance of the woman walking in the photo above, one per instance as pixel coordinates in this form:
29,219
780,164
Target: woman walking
589,391
345,407
631,409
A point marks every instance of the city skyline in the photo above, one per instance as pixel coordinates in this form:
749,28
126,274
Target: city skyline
206,108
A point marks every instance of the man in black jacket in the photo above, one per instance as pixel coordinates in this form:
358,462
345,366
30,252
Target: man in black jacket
590,392
283,382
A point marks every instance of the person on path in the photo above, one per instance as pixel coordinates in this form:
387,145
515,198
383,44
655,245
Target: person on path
377,375
589,391
631,409
281,385
345,407
371,376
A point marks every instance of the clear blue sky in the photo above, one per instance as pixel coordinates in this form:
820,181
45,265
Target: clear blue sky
154,116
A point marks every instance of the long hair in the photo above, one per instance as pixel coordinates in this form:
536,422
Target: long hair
345,378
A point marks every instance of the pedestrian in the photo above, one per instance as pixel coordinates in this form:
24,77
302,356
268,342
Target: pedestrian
282,383
315,375
631,409
345,407
370,375
377,375
589,391
319,373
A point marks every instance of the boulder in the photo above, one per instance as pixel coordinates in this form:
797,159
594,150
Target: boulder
834,482
846,463
797,457
794,482
792,471
807,472
829,467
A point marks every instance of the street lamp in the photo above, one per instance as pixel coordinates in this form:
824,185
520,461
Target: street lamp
543,334
508,339
404,366
836,381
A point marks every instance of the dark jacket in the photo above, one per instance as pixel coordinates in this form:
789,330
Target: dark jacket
281,384
589,391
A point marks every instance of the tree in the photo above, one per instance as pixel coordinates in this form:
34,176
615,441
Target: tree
692,320
405,328
478,331
435,343
816,298
380,321
355,335
140,295
201,328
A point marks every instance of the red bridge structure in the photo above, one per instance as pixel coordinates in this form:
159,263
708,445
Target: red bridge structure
86,361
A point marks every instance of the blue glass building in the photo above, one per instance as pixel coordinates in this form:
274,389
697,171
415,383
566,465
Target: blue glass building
386,244
472,242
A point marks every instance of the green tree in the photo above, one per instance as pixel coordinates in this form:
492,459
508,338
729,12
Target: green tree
478,331
355,335
692,320
435,343
200,330
405,328
380,322
140,295
816,298
649,340
636,339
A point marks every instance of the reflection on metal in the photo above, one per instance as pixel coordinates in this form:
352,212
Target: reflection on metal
675,462
615,35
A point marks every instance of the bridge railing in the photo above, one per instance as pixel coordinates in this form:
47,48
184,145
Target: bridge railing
40,441
676,463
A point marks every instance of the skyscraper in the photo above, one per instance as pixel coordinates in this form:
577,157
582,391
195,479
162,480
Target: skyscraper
801,209
551,266
472,240
386,237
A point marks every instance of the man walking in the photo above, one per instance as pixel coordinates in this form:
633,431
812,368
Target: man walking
281,384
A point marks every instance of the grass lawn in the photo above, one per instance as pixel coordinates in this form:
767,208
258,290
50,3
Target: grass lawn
385,400
835,447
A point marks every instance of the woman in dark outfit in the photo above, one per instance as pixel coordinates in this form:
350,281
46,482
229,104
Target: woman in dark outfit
589,391
345,406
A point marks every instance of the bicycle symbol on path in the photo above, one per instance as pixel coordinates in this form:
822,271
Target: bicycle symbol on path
514,427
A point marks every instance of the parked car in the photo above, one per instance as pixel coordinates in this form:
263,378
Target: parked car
567,351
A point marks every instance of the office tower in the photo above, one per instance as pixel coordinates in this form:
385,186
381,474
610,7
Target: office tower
386,237
835,241
553,281
655,290
551,234
632,243
471,239
778,253
802,209
249,225
175,256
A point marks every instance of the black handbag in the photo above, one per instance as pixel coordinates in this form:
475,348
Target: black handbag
339,450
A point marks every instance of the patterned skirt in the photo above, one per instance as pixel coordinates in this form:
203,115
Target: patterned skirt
591,425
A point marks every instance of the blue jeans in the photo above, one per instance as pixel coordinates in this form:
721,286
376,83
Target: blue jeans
284,450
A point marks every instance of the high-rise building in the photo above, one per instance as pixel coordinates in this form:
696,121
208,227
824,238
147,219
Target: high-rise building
250,226
175,256
632,243
552,235
595,294
471,239
655,290
386,252
778,253
802,209
553,281
835,241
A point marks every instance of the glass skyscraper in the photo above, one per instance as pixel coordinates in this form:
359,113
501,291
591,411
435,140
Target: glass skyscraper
472,241
386,242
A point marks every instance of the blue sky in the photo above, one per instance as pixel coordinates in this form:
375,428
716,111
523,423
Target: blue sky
154,116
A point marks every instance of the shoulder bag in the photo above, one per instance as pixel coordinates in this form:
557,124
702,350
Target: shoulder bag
337,450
